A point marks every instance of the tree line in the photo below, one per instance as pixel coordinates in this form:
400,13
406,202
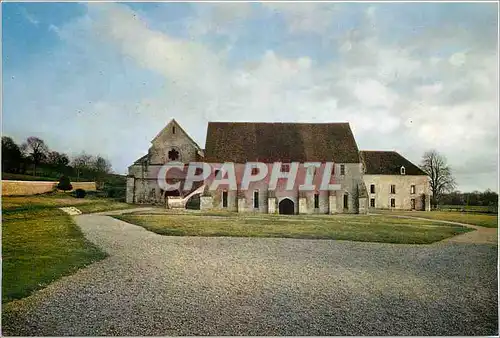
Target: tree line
33,157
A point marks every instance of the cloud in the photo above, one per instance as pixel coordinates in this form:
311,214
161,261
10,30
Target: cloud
304,17
32,19
396,94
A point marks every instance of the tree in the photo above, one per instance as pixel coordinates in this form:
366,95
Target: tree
100,168
81,163
64,183
440,174
58,161
101,165
36,149
12,156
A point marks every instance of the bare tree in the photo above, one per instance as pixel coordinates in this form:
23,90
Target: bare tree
82,162
36,149
440,174
101,165
57,160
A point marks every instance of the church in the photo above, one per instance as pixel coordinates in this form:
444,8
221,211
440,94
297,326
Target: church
366,179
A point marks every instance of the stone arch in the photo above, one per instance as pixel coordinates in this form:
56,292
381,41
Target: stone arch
286,206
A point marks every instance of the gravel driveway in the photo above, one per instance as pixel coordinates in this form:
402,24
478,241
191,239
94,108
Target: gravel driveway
159,285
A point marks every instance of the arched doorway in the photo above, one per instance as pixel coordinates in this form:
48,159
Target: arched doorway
286,207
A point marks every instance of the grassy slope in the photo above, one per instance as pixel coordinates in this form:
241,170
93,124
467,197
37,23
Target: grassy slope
40,243
480,219
341,227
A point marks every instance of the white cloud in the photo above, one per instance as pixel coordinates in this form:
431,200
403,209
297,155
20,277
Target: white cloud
305,17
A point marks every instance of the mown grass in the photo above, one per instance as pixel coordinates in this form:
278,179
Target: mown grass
341,227
56,200
479,219
469,208
40,243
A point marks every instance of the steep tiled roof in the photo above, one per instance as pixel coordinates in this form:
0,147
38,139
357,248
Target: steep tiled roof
241,142
387,163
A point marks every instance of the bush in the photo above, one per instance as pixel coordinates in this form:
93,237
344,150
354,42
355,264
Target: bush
80,193
64,183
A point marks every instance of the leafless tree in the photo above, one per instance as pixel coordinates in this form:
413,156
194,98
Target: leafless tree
81,162
36,149
440,174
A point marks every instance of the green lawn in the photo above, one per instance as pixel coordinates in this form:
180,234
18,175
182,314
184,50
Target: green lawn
40,243
52,200
480,219
469,208
342,227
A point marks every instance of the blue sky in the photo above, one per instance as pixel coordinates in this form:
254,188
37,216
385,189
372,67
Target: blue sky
106,77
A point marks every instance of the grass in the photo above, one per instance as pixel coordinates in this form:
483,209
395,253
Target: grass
480,219
40,243
24,177
341,227
469,208
55,200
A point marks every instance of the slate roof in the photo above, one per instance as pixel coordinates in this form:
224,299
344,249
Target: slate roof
387,163
240,142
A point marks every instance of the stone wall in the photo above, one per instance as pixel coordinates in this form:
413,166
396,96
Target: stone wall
142,181
11,188
403,195
303,201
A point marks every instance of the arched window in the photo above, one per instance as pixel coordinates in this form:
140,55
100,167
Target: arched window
403,170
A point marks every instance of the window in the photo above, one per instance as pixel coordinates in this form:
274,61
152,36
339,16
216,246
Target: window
403,171
224,199
342,170
285,167
412,204
372,202
173,155
173,130
372,188
393,203
412,189
255,171
256,199
316,201
333,170
393,188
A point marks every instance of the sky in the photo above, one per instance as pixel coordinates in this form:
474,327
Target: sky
105,78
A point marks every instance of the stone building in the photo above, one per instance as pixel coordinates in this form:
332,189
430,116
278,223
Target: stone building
269,143
393,182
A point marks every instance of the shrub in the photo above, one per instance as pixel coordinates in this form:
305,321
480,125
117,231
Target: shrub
80,193
64,183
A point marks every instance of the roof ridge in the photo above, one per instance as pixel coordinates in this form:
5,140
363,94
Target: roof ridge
240,122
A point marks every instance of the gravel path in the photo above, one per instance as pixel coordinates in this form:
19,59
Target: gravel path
160,285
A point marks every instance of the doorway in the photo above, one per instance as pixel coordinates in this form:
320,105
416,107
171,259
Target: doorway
286,207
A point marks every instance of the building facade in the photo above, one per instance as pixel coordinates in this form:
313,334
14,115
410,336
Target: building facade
270,143
393,182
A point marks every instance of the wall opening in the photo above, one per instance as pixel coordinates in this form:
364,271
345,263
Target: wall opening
286,207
